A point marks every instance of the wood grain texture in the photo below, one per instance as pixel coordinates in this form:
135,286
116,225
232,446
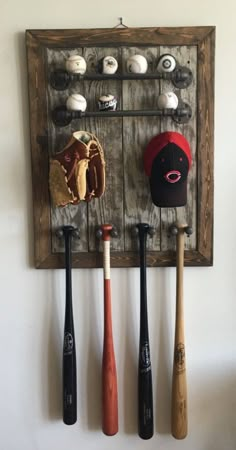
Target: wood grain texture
137,132
124,140
179,417
122,36
109,375
39,145
185,56
75,215
108,208
88,260
205,139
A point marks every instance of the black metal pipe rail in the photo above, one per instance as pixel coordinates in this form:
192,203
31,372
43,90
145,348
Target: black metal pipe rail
181,77
62,117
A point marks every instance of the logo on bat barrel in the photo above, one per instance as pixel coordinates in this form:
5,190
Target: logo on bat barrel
145,361
180,356
68,343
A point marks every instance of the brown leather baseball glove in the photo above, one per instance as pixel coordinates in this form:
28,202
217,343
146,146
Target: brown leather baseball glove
78,171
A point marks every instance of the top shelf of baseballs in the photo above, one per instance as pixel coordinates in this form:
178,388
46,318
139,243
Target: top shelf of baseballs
107,68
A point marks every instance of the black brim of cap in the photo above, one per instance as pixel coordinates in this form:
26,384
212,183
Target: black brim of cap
166,195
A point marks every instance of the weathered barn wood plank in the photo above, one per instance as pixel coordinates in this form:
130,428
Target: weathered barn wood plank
185,56
109,207
39,149
129,37
137,131
58,137
205,140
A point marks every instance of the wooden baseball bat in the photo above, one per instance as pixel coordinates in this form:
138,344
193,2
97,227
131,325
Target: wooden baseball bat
179,421
145,397
109,377
69,352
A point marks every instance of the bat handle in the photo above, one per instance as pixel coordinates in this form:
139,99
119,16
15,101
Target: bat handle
145,396
69,351
109,376
179,423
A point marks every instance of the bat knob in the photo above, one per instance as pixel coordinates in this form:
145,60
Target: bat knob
106,229
143,227
67,230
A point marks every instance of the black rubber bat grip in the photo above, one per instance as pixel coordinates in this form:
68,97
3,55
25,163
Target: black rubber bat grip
145,396
69,351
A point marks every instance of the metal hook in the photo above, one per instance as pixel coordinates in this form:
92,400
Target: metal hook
114,233
150,230
173,230
121,24
75,232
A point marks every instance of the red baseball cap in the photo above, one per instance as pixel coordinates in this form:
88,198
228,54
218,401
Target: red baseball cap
167,160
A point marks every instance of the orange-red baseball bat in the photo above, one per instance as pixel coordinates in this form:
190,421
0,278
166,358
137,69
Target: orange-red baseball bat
109,377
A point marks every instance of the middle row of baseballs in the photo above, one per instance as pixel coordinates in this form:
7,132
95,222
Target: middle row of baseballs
108,102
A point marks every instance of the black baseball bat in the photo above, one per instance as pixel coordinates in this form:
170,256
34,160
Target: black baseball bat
69,352
145,398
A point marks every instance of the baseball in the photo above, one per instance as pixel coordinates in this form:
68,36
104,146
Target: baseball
76,102
82,136
108,65
166,63
168,100
137,64
107,103
76,64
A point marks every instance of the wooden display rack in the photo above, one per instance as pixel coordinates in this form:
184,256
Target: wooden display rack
127,198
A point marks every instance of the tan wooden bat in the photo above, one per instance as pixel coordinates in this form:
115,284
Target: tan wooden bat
179,420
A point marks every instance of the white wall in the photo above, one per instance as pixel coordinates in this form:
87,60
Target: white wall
32,302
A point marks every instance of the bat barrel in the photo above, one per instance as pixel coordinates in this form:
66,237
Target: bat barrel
145,397
69,352
109,376
179,422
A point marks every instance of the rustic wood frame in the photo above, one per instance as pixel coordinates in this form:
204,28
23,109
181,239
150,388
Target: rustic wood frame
204,39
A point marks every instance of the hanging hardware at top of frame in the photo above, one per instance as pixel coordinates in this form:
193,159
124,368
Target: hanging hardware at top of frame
121,24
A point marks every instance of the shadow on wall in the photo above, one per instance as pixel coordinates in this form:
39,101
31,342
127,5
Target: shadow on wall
212,403
164,344
130,380
92,377
52,338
